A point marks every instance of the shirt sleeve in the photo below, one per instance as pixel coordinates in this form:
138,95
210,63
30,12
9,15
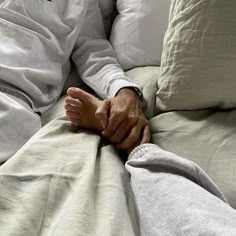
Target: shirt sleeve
95,59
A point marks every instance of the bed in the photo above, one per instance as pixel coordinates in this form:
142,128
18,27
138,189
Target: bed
69,181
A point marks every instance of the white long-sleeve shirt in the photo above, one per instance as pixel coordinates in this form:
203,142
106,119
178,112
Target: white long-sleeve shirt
38,39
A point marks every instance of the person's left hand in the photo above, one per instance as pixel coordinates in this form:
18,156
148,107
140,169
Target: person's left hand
123,120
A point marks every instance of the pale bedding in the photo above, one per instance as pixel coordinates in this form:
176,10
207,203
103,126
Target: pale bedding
63,182
208,137
67,181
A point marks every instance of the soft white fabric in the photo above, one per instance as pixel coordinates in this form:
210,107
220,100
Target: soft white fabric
18,123
199,58
66,182
138,31
107,9
37,39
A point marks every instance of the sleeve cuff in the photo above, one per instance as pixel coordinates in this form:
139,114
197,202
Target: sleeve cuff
119,84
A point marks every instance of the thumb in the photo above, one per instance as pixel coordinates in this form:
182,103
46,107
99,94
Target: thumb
103,112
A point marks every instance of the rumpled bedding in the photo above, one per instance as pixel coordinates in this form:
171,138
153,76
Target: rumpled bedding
207,137
68,181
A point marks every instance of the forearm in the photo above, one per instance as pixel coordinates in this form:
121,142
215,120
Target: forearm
95,58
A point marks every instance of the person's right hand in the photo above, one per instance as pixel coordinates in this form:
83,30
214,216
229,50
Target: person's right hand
123,120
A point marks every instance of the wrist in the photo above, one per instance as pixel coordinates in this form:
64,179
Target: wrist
129,91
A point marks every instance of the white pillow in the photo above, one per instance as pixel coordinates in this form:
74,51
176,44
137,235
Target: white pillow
199,58
138,31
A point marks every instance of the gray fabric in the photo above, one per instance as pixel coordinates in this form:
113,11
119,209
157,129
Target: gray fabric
207,137
107,8
18,123
175,197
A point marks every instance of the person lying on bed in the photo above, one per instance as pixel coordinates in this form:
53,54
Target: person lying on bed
39,39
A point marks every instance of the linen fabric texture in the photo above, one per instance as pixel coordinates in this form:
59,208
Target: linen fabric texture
199,57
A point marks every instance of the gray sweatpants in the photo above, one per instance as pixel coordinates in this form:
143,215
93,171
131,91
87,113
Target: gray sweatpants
176,197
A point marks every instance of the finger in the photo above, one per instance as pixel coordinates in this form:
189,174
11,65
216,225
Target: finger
74,109
102,113
114,122
132,138
121,131
129,150
146,135
73,102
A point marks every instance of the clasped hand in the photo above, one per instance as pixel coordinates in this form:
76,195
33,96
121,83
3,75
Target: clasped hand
123,120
